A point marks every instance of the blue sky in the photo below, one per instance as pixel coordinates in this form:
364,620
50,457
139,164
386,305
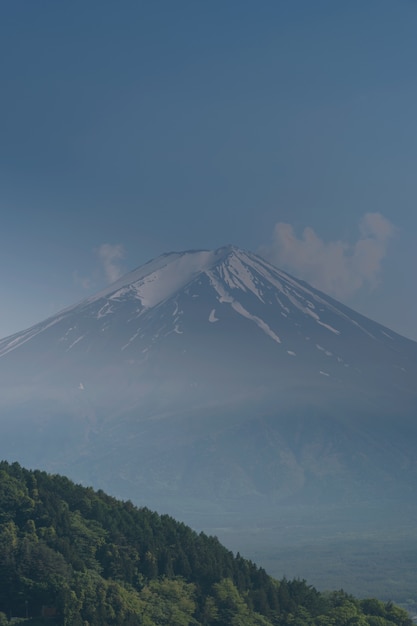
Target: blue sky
133,128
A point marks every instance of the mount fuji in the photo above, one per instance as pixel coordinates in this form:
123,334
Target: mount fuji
213,377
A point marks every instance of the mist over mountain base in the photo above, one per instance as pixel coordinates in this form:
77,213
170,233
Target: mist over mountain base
214,387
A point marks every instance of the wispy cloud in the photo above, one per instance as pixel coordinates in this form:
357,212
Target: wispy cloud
108,261
85,282
111,257
337,267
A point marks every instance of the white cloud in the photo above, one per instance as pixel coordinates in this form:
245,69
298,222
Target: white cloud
110,256
338,267
85,282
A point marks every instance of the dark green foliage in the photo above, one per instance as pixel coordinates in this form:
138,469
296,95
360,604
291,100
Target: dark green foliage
88,559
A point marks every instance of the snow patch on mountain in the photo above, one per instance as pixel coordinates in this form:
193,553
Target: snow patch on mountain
75,342
212,316
105,310
158,280
236,275
258,321
332,330
224,297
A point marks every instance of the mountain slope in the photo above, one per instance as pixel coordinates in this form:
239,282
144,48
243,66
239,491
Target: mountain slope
212,375
76,556
184,302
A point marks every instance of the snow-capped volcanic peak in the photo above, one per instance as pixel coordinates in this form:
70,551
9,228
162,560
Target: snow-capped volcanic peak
163,277
231,273
191,300
229,270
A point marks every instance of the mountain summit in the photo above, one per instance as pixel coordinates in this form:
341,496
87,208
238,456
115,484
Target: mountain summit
210,373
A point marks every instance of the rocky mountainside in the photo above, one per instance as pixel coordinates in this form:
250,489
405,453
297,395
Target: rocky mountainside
213,376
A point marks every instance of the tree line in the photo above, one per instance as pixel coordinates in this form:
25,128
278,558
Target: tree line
75,556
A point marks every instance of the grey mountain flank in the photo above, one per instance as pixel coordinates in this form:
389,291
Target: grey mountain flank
213,378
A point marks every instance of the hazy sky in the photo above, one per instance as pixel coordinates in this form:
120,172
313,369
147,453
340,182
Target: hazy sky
133,128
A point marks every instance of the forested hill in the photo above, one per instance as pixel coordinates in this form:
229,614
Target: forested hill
79,557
